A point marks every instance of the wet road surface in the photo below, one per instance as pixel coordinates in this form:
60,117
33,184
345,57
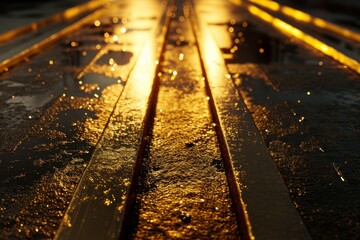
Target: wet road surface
73,116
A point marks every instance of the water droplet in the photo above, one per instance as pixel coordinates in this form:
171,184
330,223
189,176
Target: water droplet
123,30
115,20
115,38
97,23
74,44
185,217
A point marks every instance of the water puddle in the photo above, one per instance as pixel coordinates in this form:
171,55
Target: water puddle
31,103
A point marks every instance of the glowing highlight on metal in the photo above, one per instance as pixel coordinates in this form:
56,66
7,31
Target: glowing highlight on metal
319,45
67,14
274,6
307,18
24,54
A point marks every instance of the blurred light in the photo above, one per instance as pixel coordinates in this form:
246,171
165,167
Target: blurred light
97,23
115,20
299,15
268,4
123,30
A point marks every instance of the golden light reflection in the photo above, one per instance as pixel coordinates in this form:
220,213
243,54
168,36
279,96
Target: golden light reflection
212,57
115,20
299,15
74,44
319,45
97,23
67,14
123,30
307,18
237,2
268,4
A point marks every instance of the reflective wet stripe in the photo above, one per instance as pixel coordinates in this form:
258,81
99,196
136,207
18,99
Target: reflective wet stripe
67,14
23,54
103,199
259,191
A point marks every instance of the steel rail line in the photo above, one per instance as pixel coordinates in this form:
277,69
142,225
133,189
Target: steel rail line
23,55
311,21
250,157
316,42
68,14
78,223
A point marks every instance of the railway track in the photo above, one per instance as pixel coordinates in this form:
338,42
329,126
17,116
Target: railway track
336,41
166,155
161,145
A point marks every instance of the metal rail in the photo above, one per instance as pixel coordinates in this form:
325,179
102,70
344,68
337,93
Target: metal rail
308,19
263,206
309,30
68,14
23,55
100,207
263,210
